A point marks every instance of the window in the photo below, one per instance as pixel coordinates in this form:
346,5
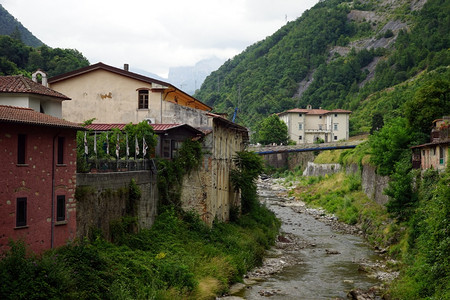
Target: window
335,126
300,126
335,115
21,212
143,99
335,137
441,155
320,126
21,147
320,117
176,145
60,208
300,115
60,160
300,137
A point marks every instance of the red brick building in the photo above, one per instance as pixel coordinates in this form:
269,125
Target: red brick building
38,177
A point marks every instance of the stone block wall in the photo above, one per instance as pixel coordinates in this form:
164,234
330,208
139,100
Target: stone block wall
104,199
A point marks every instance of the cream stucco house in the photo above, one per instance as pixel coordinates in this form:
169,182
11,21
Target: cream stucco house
113,95
309,125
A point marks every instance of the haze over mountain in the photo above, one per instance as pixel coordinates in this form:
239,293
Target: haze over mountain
187,78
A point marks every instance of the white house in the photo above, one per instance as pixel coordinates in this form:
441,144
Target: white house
310,125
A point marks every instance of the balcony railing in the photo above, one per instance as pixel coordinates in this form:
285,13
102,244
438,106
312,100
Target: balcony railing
121,165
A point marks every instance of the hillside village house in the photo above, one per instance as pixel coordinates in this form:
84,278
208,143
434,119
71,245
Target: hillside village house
310,125
37,186
21,91
113,95
436,153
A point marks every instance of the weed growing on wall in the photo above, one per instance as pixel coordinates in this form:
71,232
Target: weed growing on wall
171,172
249,166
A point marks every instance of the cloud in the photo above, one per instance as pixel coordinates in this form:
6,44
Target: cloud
154,35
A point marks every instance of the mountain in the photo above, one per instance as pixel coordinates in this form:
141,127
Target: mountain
338,54
190,78
12,27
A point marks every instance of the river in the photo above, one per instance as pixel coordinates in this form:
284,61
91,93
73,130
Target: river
315,257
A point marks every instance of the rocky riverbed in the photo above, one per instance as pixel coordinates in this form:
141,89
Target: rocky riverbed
315,256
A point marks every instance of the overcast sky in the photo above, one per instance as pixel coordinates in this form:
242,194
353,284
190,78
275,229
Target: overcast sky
154,35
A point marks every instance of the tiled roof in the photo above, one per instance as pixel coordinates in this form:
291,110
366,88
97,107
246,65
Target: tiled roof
104,127
315,111
12,114
158,128
342,111
21,84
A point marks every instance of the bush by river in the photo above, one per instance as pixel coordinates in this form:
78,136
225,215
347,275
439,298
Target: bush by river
178,258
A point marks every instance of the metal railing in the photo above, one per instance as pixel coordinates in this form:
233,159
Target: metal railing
121,165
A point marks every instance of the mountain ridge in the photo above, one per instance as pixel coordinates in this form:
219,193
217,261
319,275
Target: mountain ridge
334,55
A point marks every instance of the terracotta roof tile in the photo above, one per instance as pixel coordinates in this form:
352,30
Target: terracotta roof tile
12,114
107,127
21,84
314,111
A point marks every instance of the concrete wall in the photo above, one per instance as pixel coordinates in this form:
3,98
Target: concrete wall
105,200
373,184
313,169
288,160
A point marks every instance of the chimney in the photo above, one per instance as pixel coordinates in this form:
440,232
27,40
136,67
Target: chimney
126,67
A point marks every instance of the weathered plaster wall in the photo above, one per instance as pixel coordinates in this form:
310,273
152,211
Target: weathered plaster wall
208,190
105,199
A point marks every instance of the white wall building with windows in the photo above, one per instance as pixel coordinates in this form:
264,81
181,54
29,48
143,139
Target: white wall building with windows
306,126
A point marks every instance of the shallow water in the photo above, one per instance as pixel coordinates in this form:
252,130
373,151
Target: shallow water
319,274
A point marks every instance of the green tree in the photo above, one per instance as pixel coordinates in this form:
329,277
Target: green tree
388,144
273,130
430,102
248,167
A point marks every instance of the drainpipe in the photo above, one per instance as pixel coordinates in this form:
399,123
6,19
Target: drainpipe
52,238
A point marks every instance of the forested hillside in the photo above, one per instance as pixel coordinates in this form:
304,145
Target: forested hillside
338,54
12,27
22,53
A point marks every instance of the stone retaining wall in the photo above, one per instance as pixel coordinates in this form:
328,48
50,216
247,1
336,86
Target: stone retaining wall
105,199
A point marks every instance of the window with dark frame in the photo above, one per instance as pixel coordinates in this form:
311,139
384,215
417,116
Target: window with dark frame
60,208
21,148
60,159
143,99
21,212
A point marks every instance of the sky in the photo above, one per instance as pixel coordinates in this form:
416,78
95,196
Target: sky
154,35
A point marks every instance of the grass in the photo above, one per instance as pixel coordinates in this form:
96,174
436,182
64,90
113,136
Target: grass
178,258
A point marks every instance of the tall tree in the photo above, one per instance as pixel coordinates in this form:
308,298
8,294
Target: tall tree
273,130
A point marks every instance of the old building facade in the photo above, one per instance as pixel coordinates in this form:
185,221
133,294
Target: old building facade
113,95
435,154
309,125
38,164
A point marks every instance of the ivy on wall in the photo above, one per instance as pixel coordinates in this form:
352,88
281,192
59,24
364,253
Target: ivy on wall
171,173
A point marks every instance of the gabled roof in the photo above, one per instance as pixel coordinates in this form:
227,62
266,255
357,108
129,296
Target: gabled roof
20,115
24,85
102,66
315,111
